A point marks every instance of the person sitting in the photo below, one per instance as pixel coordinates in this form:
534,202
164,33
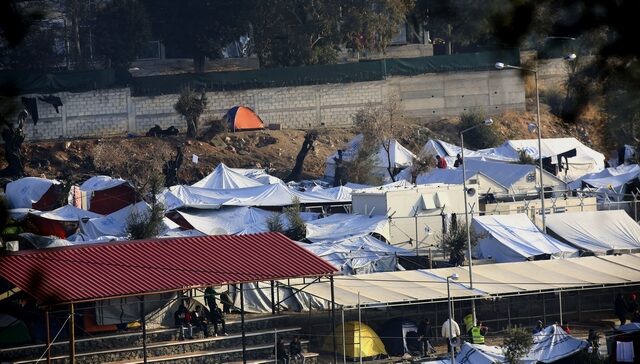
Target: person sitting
539,327
200,320
182,319
295,349
217,317
280,352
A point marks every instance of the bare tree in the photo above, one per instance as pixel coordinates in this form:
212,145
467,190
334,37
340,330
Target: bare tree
307,146
380,125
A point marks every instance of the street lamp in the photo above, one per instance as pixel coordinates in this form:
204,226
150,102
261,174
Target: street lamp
500,66
486,122
453,277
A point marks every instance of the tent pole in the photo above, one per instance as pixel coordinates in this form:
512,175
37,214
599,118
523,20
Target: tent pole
544,310
344,344
46,315
359,328
72,335
509,312
333,320
273,302
560,301
244,338
144,330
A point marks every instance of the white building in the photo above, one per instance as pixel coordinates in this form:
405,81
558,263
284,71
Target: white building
418,212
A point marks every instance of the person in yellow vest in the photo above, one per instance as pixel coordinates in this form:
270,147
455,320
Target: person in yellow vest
477,333
469,323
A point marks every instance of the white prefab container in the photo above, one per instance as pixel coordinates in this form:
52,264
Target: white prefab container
417,213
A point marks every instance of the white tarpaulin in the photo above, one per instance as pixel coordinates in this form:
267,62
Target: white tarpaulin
112,225
504,174
359,255
24,192
275,195
398,157
597,231
343,226
553,344
514,238
224,177
586,160
258,174
236,220
610,182
450,151
67,213
100,183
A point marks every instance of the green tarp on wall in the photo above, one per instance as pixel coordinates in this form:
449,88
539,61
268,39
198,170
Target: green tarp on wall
26,82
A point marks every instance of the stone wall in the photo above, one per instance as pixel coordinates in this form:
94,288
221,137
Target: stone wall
116,112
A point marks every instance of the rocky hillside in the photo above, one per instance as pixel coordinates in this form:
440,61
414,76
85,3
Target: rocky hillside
75,160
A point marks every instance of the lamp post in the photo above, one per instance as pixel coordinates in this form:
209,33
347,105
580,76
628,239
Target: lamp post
500,66
487,122
453,277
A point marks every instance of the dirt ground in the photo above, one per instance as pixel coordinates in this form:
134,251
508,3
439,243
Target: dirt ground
275,150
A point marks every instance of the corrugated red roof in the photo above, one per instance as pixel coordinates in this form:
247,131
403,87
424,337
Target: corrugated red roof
99,271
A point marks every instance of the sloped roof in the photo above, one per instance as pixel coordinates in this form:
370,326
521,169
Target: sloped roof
111,270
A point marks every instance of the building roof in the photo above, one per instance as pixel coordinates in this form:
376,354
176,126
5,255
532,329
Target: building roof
110,270
501,279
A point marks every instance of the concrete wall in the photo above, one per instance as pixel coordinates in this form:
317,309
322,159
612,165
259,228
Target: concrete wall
116,112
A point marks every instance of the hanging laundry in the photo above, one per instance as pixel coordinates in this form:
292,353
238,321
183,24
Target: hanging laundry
55,101
31,105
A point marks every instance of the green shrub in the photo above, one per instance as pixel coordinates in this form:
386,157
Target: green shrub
480,137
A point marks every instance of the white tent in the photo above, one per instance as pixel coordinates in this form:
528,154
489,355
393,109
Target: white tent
66,213
553,344
513,238
610,182
358,255
224,177
508,176
343,226
110,227
502,279
235,220
450,151
585,161
275,195
599,232
399,157
24,192
100,183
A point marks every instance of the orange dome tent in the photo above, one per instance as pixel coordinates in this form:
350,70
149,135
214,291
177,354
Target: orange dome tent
243,118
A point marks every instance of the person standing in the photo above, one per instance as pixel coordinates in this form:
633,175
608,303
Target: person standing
478,333
450,334
620,308
210,298
441,162
424,335
458,162
632,305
